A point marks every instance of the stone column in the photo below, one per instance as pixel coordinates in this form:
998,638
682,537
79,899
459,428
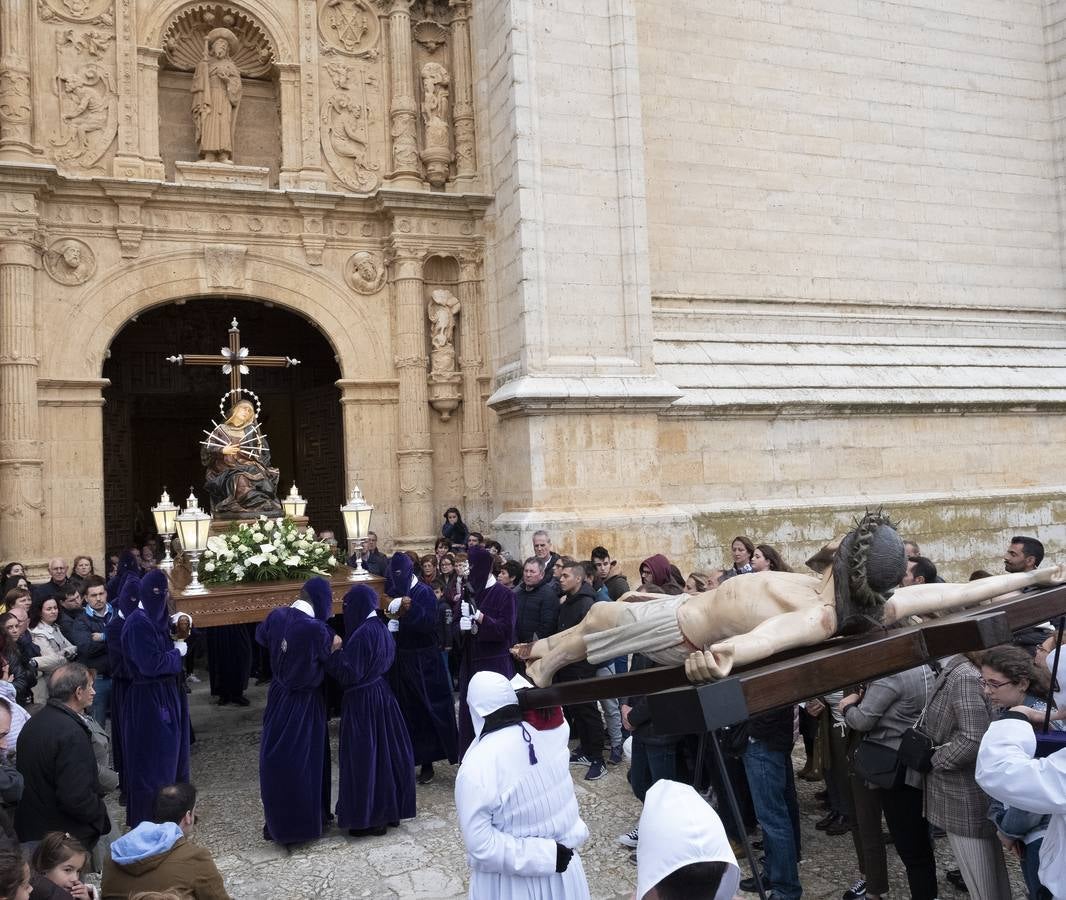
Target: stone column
16,107
415,446
473,442
21,464
462,87
403,122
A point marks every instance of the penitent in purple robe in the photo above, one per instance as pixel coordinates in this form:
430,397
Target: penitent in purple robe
489,650
155,713
377,768
124,604
294,757
419,679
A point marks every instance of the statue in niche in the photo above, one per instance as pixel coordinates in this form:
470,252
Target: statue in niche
216,97
435,95
240,480
443,308
346,141
437,154
89,114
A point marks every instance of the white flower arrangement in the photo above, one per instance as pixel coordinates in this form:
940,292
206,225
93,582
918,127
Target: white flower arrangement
265,550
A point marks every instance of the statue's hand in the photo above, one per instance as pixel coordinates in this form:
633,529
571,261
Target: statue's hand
709,665
1052,574
231,450
521,651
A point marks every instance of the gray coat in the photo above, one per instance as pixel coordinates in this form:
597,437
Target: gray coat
889,707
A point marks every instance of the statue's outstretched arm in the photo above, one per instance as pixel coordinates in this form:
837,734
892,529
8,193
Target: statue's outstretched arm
925,599
801,628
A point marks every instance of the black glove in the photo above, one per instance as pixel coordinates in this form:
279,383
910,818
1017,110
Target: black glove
563,855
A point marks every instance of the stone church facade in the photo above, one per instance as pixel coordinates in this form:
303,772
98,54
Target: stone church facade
643,274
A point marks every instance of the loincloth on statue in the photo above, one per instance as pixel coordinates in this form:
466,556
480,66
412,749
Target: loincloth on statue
651,629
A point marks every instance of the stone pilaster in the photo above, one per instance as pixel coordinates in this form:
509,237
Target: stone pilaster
291,144
403,122
473,440
463,93
415,445
148,89
16,107
21,464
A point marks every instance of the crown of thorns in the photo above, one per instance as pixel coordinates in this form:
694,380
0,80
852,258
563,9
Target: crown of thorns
238,391
861,592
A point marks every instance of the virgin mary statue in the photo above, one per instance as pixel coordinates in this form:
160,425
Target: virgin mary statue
240,481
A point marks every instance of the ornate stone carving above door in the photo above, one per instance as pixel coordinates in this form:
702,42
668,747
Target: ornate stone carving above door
350,27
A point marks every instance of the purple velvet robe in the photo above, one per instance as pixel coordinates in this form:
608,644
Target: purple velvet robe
124,604
155,711
294,755
419,678
490,649
377,768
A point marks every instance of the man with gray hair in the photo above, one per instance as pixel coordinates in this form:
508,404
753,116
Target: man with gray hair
55,586
58,766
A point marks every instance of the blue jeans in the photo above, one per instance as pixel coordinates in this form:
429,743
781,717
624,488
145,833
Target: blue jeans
651,763
101,707
773,791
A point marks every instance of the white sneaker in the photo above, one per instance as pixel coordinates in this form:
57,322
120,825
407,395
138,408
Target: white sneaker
629,839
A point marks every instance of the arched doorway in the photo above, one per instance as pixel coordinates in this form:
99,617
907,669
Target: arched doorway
155,411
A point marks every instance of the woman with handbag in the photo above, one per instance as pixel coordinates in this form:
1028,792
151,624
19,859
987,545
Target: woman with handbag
955,721
881,783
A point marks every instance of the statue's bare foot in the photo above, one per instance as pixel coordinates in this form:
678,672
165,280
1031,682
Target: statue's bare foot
522,652
535,673
709,665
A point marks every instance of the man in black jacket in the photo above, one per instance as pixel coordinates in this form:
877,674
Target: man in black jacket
585,722
56,759
374,561
89,635
537,603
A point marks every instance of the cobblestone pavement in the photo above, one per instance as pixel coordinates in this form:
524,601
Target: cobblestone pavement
424,858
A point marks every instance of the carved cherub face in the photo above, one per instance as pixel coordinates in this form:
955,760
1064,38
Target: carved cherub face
72,256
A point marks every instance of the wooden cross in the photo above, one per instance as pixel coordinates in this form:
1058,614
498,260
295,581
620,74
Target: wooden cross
235,359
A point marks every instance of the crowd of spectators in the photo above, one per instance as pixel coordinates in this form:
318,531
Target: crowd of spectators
57,657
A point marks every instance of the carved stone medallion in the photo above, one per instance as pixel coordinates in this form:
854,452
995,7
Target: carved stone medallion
69,261
365,272
224,264
349,26
98,11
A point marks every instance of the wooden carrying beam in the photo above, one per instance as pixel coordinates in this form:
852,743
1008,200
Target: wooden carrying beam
796,675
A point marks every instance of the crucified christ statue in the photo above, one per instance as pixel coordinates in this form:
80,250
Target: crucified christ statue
749,618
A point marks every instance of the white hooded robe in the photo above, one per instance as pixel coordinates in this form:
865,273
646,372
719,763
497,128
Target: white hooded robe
511,812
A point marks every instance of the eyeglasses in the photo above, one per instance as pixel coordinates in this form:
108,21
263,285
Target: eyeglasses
986,683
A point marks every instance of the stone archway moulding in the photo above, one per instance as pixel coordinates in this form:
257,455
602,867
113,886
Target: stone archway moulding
101,315
160,19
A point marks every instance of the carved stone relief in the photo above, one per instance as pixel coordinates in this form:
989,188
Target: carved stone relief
224,265
350,27
347,117
184,40
88,115
364,272
97,12
15,96
69,261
